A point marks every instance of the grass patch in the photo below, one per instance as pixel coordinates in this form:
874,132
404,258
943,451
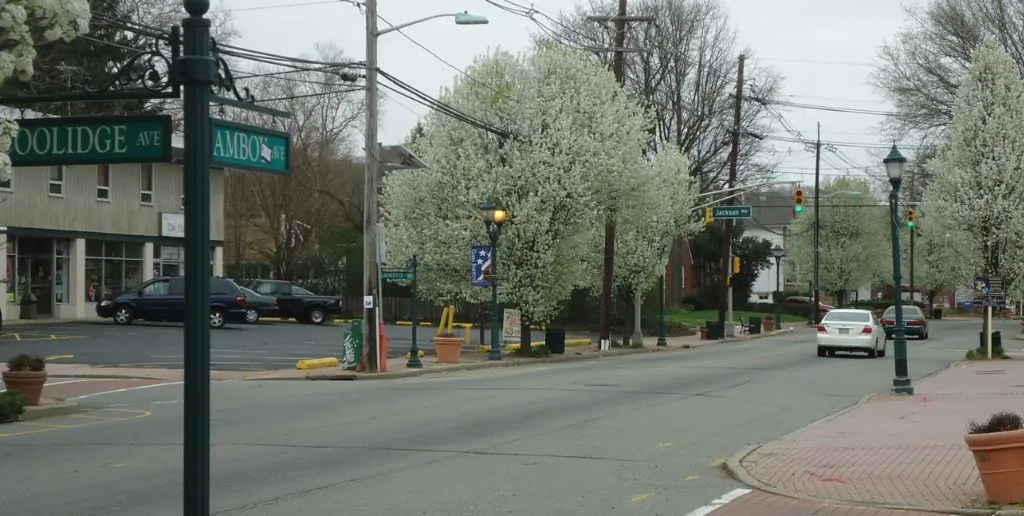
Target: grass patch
982,354
697,317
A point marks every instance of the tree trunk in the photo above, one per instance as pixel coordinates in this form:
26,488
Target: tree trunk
525,337
931,301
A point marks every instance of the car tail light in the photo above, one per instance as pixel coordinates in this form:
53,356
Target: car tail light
888,321
866,331
240,300
915,322
821,329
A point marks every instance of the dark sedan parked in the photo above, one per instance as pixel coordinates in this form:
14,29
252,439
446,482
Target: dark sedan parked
258,305
914,323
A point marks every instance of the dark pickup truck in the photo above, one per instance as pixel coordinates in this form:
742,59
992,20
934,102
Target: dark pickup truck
298,303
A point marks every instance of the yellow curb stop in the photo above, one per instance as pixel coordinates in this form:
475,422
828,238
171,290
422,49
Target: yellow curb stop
316,363
569,343
421,353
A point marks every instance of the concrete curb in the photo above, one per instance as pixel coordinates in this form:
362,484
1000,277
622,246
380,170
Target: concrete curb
412,373
51,410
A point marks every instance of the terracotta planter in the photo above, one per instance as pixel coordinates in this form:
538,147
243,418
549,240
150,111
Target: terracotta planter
449,349
1000,460
769,324
28,382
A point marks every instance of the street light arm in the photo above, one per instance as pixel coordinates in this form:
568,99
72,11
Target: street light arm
401,26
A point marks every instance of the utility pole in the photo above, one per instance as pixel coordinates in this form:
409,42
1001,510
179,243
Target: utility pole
619,68
725,306
817,226
913,191
370,175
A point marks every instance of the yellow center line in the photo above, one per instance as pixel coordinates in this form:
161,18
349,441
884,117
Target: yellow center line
139,414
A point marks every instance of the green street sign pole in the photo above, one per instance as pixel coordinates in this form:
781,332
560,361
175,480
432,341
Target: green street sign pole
198,72
414,350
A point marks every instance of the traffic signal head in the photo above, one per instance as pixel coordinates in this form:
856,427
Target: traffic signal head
911,218
735,264
709,217
798,201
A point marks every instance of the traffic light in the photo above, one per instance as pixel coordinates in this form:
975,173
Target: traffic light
709,217
798,201
735,264
911,218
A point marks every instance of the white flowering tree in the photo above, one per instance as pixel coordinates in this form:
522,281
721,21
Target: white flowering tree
572,133
944,258
977,183
657,209
855,243
24,24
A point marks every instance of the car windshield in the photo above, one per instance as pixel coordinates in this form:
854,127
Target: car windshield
908,311
852,317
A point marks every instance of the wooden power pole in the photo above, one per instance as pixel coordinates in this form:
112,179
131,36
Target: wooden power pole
725,303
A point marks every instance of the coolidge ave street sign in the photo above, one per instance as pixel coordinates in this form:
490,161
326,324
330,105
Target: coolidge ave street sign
92,140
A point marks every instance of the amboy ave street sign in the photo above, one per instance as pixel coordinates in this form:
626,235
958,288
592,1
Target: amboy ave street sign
250,148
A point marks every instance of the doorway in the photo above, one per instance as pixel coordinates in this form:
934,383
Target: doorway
35,271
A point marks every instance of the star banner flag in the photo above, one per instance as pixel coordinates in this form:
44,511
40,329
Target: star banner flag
483,268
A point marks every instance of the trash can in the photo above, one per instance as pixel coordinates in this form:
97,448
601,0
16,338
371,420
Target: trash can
714,330
754,325
554,339
936,313
997,341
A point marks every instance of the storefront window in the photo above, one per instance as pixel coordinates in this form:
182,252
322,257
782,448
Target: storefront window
169,260
111,267
12,269
60,271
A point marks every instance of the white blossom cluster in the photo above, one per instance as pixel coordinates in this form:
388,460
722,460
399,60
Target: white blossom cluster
576,155
977,184
24,24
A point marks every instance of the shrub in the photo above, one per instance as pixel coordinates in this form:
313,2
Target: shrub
12,405
26,362
999,422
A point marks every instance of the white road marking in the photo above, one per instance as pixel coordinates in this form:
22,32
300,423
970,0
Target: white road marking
719,502
115,391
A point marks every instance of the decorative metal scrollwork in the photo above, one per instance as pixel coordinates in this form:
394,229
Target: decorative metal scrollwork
224,82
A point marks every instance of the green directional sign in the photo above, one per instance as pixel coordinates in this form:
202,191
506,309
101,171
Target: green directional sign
397,275
731,212
88,140
248,147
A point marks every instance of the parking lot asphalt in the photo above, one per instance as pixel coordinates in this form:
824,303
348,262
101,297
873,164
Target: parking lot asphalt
240,347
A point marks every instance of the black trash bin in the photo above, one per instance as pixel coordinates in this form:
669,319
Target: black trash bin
554,339
754,325
714,330
936,313
997,341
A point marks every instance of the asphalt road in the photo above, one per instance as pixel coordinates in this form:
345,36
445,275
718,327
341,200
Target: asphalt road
235,347
637,435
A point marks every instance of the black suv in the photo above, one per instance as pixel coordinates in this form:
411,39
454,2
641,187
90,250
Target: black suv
163,299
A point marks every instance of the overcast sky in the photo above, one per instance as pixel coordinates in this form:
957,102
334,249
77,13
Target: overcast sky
824,50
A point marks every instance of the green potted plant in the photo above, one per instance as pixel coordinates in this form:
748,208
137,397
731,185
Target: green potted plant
27,374
998,448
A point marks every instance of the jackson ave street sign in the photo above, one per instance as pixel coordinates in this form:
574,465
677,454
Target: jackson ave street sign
247,147
92,140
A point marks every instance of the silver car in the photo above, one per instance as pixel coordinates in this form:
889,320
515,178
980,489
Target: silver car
851,330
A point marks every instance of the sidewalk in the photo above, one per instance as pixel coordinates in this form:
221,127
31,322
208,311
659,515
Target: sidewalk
900,452
396,367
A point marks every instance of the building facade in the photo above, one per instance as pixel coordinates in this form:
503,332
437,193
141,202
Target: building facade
74,233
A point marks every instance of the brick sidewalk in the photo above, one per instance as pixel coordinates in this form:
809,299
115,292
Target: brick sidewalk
759,503
903,451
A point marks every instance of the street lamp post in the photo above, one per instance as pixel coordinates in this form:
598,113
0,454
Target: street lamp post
371,167
894,165
494,219
414,314
662,341
778,252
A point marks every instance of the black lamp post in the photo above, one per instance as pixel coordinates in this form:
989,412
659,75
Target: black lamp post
494,219
778,252
894,165
662,340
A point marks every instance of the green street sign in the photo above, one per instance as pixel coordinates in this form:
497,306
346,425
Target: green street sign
90,140
397,275
731,212
247,147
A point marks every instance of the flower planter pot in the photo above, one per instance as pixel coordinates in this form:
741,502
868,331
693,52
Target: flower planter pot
28,382
449,349
769,325
1000,460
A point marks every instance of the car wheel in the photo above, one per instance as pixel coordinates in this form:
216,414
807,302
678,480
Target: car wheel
124,315
872,353
217,318
885,344
822,352
316,316
252,315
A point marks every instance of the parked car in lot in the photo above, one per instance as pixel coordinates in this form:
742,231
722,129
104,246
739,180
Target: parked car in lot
295,302
804,302
851,330
258,305
914,323
163,299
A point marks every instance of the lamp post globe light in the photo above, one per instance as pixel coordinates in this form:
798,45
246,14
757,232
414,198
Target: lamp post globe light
778,252
494,219
895,164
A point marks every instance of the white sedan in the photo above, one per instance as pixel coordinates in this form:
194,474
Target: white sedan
851,330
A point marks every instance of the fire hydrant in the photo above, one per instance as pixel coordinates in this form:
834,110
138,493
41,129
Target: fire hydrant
703,333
